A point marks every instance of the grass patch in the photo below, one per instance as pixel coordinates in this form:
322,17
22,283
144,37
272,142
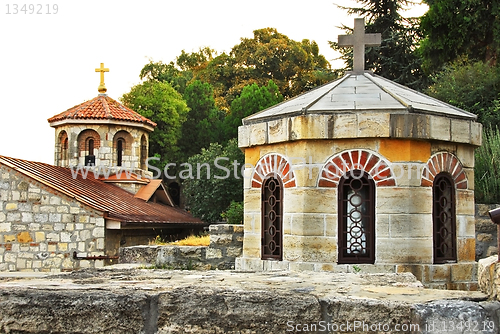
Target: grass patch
192,240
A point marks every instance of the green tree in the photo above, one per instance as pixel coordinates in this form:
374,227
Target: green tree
162,104
195,61
252,99
166,73
454,28
395,58
472,86
295,67
210,193
270,55
203,121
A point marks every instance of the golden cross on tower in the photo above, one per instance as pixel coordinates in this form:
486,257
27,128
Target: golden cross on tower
359,40
102,89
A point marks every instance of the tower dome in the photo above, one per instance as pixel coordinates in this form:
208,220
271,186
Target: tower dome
101,132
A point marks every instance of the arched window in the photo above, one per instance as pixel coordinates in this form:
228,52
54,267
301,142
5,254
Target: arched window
64,150
119,151
90,146
356,215
90,157
62,158
122,149
272,219
144,151
444,219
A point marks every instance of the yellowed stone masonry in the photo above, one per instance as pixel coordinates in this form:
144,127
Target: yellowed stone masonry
311,132
40,230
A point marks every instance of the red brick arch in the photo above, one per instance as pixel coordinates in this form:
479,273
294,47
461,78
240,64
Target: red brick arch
85,135
372,163
444,162
276,164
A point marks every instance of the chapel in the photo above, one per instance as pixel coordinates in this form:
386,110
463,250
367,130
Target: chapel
97,197
361,175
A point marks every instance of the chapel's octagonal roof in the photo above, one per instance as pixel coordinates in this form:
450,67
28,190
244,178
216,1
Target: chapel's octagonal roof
356,93
360,105
100,109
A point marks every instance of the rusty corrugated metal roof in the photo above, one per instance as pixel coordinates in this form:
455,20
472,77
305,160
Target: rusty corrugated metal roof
114,202
101,107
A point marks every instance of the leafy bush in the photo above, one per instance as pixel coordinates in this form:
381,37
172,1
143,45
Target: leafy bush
487,168
234,213
471,86
217,182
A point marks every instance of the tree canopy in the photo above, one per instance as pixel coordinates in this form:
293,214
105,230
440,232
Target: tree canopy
294,67
454,28
203,121
472,86
252,99
216,180
395,58
162,104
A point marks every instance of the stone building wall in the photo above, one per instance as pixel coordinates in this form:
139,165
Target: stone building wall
403,228
486,232
40,230
226,243
105,150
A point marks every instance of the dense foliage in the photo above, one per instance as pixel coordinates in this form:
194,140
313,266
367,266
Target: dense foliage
395,58
294,67
487,168
203,123
457,28
216,180
162,104
252,100
472,86
234,213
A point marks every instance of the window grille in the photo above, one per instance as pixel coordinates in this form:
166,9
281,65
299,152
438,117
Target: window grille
356,204
444,219
272,219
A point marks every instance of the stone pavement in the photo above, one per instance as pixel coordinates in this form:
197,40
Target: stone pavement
122,300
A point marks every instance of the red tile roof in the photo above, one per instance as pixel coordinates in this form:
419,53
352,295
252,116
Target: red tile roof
114,202
101,107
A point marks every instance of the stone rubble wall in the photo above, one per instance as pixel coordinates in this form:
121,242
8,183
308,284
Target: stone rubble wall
486,232
226,243
39,230
489,276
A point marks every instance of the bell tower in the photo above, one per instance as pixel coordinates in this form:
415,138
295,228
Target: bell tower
102,132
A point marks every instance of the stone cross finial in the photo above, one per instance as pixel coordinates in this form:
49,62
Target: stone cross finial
102,88
359,40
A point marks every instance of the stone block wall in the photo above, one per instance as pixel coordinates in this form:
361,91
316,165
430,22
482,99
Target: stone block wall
403,204
104,136
40,230
486,232
226,243
489,277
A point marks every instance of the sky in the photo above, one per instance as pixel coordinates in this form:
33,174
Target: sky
48,61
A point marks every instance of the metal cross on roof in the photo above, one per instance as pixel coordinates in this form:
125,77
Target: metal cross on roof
102,88
359,40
